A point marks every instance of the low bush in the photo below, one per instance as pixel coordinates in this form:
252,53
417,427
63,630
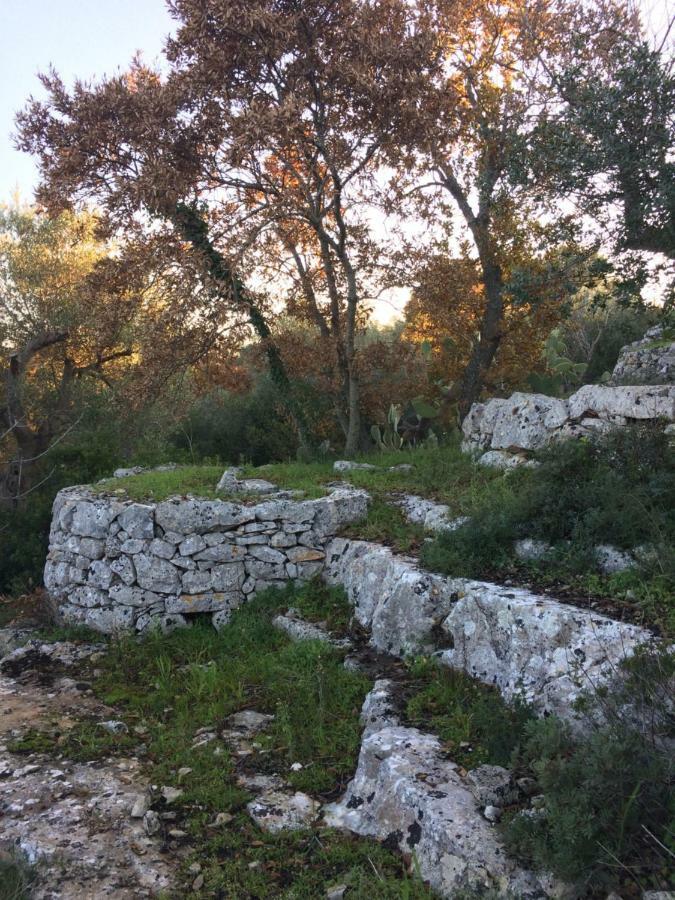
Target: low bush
608,814
619,490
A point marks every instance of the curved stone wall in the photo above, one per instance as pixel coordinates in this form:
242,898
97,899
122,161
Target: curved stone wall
117,565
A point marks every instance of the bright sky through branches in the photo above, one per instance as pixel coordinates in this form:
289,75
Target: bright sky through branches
90,38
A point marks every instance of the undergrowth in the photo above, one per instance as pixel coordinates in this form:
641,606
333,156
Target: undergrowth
619,490
16,876
608,816
472,719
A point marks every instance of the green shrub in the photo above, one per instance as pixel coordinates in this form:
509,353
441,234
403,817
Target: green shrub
619,490
238,428
609,804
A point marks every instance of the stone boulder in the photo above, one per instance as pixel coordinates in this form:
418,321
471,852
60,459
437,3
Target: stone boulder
407,793
505,430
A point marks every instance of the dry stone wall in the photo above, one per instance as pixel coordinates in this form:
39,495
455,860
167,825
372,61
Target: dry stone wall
117,565
527,422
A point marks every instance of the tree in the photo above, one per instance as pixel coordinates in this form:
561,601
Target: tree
258,140
445,312
79,315
466,134
609,142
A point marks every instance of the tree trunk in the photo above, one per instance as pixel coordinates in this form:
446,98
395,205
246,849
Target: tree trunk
194,229
354,441
483,353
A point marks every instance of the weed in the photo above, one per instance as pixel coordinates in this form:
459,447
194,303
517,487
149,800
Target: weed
16,876
472,718
609,810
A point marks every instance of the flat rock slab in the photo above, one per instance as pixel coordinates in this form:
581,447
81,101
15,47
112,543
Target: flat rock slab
430,515
283,811
300,630
406,793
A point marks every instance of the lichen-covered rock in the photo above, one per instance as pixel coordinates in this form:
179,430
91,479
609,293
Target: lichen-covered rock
431,515
400,603
500,459
406,792
546,652
275,811
349,465
622,403
650,360
523,422
300,630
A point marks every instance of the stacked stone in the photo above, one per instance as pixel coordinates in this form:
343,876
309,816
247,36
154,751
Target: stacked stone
116,565
650,360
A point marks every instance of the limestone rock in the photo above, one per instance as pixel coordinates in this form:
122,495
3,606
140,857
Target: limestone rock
400,603
348,465
405,792
492,786
275,811
137,520
155,574
531,647
300,630
638,403
500,459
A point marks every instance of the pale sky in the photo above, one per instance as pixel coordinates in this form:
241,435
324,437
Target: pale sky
80,38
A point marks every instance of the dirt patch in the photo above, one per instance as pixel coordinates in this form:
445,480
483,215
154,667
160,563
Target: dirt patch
72,820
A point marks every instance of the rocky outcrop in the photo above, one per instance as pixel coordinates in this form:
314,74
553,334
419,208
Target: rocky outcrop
432,516
407,793
530,647
528,422
116,565
651,360
397,601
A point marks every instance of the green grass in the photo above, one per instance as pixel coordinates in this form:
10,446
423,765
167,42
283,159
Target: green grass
471,718
166,688
443,473
200,481
16,876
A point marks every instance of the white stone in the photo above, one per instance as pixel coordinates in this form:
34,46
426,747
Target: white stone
138,521
546,652
348,465
275,811
406,792
156,574
637,402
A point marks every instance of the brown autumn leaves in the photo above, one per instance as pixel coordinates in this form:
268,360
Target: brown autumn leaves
291,161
